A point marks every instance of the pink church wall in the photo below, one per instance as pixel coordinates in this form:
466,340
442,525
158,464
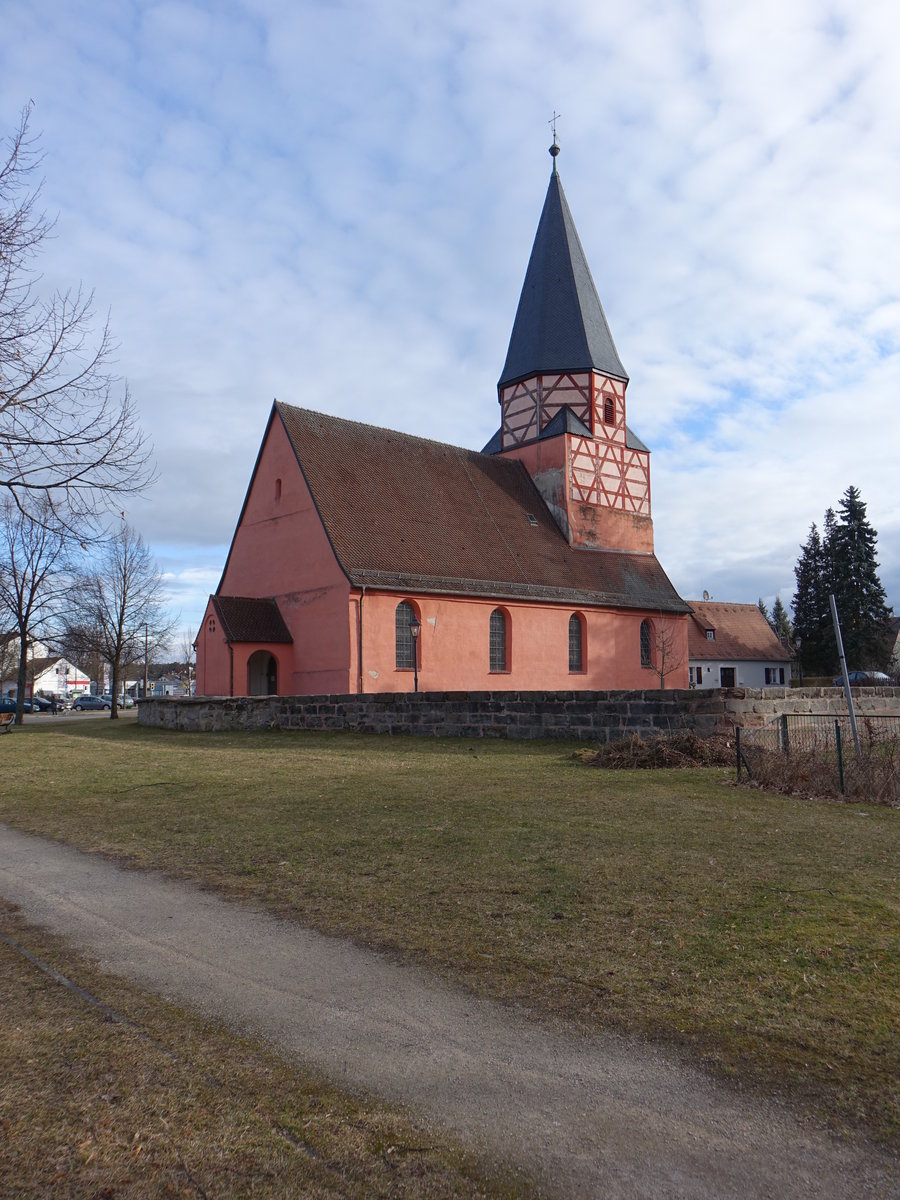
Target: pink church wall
213,658
454,647
280,550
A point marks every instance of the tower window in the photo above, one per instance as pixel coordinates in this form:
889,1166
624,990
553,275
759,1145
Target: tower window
277,490
498,650
609,410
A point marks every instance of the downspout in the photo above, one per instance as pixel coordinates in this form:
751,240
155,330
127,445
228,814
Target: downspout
359,626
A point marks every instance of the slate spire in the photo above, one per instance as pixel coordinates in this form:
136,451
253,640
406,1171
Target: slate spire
560,324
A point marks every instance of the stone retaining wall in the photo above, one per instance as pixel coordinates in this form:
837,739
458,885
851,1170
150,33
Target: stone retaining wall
591,716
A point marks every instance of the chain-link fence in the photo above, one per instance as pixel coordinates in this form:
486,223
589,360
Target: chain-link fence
815,754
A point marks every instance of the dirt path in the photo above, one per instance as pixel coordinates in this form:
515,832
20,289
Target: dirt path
597,1116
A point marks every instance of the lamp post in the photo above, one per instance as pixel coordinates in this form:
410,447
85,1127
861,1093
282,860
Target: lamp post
415,628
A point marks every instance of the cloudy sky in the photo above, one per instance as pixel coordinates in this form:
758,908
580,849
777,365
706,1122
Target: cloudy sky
332,202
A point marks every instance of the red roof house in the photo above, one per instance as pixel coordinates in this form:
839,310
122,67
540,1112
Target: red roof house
733,645
368,560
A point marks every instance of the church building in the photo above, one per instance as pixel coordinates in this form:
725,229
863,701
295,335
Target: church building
367,560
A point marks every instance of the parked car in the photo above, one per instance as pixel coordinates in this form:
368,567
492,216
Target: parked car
864,679
124,701
87,703
41,704
8,704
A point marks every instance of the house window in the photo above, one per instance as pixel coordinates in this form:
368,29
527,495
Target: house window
710,635
404,643
609,410
576,642
775,675
498,656
699,675
646,655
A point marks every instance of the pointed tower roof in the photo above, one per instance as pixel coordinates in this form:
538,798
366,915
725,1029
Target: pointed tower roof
560,324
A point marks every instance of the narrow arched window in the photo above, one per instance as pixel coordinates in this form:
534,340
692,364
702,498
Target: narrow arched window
609,410
498,655
576,643
646,645
404,643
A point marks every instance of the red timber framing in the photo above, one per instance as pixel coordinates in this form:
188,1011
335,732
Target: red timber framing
602,470
531,404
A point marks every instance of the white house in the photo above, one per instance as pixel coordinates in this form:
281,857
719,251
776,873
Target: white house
732,645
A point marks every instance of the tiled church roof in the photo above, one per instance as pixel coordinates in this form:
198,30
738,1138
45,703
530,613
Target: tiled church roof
247,619
407,514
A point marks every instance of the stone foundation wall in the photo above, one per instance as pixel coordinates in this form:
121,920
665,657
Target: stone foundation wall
590,716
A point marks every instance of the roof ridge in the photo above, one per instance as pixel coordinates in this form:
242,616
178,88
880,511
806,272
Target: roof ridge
412,437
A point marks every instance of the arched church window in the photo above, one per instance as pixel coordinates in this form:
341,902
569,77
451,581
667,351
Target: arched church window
609,410
646,645
404,642
576,642
499,658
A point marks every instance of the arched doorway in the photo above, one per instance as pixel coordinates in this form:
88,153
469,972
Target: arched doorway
262,674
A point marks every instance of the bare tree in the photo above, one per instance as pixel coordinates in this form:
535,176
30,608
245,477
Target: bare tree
188,657
669,647
68,431
33,571
120,606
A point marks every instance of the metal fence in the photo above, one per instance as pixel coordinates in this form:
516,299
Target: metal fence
816,752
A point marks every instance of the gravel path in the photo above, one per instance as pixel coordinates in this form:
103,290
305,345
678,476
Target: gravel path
584,1116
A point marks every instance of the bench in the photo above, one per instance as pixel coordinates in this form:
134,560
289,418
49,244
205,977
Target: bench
6,719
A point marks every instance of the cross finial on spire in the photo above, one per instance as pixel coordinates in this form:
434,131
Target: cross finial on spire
554,149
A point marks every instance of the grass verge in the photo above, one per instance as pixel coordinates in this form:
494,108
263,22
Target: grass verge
759,932
166,1105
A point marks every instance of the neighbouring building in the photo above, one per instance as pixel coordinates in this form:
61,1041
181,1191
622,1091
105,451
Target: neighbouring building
369,560
733,645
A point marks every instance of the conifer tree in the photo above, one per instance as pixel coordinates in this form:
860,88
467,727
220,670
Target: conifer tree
860,597
781,622
761,605
812,622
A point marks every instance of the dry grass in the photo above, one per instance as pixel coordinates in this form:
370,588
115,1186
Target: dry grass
170,1106
811,768
759,932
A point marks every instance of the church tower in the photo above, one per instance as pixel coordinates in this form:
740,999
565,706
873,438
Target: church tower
562,396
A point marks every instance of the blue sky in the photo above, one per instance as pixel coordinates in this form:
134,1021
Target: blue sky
334,203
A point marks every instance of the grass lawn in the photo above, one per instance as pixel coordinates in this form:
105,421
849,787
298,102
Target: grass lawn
758,932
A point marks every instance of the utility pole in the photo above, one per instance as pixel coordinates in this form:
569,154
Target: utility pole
146,654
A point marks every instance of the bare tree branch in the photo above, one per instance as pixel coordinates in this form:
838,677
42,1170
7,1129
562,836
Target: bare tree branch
69,430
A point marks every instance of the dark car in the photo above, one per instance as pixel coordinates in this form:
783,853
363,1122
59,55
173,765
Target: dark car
92,703
41,704
8,704
864,679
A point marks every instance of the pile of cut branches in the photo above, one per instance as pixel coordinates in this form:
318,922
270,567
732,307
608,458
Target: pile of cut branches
686,749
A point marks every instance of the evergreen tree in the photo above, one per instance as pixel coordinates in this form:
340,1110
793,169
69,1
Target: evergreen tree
761,605
781,622
812,620
861,601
